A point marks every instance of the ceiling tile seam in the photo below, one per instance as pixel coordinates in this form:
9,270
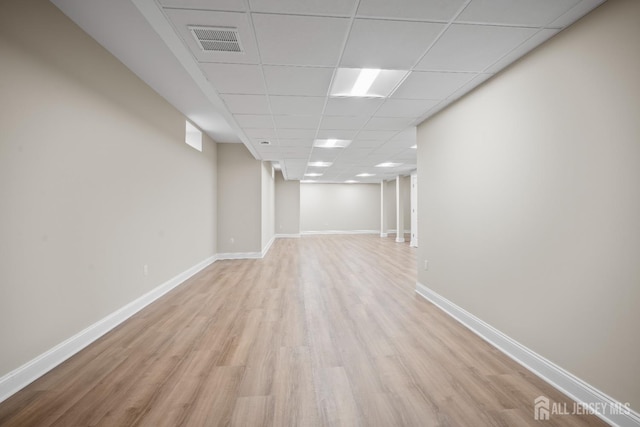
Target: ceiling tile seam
435,40
446,101
333,75
200,9
496,24
438,37
162,25
302,15
540,29
283,168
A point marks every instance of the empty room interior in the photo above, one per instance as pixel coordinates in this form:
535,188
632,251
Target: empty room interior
319,213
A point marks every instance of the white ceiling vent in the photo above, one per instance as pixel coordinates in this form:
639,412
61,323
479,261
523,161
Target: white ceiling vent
217,39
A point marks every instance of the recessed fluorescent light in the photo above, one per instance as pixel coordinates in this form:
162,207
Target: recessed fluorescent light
320,164
414,146
308,181
364,175
331,143
350,181
366,82
388,165
313,174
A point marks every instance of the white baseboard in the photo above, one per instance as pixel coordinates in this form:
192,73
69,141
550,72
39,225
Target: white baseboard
384,234
558,377
268,246
239,255
340,232
288,236
19,378
393,231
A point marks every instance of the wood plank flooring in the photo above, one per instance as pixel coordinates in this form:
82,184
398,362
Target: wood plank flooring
325,331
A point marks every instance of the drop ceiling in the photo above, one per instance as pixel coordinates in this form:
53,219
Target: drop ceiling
277,89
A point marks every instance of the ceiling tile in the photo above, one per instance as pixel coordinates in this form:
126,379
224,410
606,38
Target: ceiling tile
224,5
405,107
433,10
296,152
300,40
355,154
234,78
343,122
182,19
261,134
477,81
473,47
388,44
409,134
381,135
297,81
539,38
247,104
515,12
336,134
431,85
305,143
352,106
307,105
366,143
296,133
255,121
388,123
296,122
303,7
577,12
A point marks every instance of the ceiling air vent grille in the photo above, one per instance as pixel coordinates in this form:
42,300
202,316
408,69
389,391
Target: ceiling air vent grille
217,39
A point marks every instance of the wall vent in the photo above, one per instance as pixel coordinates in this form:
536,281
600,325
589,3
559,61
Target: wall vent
217,39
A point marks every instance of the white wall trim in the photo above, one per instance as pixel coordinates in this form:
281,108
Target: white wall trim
288,236
558,377
339,232
239,255
268,246
20,377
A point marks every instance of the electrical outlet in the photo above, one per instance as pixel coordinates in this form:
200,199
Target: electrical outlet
232,240
145,270
426,264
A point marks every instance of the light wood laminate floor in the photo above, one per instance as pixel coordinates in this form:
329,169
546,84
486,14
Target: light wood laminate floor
325,331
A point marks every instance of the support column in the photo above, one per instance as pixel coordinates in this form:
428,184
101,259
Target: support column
383,213
399,210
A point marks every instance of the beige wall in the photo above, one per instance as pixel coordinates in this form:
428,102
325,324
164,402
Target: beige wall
339,207
268,203
95,182
239,200
287,209
529,213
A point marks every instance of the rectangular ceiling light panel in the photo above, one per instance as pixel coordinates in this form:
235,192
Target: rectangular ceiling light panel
366,82
217,39
331,143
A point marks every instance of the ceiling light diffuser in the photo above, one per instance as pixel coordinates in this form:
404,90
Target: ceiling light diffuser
366,82
350,181
313,174
331,143
364,174
320,164
388,165
414,146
